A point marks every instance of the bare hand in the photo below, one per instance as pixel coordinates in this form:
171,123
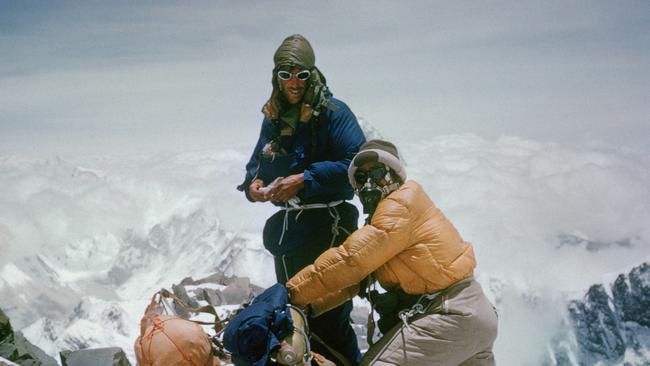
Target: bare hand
286,188
254,191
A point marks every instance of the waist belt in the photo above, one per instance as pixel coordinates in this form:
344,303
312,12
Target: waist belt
294,205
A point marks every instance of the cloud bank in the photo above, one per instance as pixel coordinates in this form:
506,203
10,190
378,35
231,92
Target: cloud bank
168,76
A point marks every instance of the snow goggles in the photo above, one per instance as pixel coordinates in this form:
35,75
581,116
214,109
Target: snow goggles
376,174
300,75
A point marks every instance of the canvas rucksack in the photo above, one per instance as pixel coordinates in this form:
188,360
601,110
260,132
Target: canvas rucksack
169,340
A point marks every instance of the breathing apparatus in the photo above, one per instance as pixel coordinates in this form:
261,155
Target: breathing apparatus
295,349
372,191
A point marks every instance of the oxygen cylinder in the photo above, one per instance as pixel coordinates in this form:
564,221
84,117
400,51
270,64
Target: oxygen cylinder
294,346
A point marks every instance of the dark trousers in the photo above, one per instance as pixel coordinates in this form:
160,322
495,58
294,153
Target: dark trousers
333,327
307,237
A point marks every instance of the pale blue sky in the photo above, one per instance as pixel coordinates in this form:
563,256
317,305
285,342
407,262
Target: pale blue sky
119,76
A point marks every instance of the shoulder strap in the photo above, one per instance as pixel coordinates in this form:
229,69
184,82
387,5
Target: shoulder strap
343,361
218,324
370,331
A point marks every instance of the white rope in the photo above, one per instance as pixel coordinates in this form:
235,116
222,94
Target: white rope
405,315
335,223
294,205
418,308
284,264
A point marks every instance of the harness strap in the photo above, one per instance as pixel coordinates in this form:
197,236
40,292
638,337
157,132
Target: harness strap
406,314
423,306
218,324
294,205
342,360
406,359
370,331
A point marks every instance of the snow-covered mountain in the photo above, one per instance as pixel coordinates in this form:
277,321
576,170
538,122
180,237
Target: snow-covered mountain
110,301
610,325
86,248
86,242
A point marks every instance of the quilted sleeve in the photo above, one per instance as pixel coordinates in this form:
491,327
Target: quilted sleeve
343,267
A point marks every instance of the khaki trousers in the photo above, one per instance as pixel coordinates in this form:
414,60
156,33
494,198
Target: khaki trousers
458,329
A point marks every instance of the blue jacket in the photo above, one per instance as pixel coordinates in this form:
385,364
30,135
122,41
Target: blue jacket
253,334
339,138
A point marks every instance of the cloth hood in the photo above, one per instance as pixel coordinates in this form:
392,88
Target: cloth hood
295,50
377,151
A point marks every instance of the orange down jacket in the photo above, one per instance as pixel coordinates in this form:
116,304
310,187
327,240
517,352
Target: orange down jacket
409,244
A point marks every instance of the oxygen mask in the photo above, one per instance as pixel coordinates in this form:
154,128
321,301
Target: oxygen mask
370,195
373,184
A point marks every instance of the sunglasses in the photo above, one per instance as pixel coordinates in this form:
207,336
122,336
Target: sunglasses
300,75
376,174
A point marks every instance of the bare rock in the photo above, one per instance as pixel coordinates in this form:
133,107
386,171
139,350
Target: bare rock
112,356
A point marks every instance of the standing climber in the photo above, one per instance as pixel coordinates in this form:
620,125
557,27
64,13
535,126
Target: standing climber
300,164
